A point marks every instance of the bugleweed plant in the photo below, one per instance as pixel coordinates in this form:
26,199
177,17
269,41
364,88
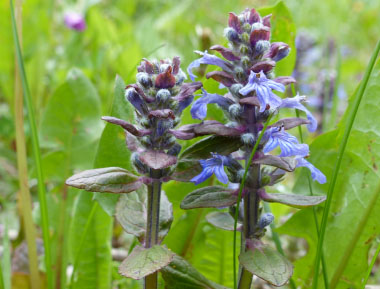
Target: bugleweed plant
255,151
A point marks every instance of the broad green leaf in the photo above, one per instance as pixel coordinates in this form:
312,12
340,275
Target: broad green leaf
186,170
145,261
356,185
106,180
131,211
112,151
283,30
212,144
296,201
267,264
222,220
209,197
179,274
72,116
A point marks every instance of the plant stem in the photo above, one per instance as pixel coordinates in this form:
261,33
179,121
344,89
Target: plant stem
152,224
22,165
36,153
373,261
350,121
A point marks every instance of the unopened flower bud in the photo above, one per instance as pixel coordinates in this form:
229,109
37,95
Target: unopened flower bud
245,37
265,220
234,89
180,77
265,180
174,150
248,138
163,95
234,109
141,168
262,46
231,34
246,61
247,27
143,79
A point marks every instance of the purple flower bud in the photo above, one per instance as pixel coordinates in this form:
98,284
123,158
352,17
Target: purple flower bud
234,22
143,79
208,59
263,86
253,16
316,174
163,95
289,144
199,108
231,34
134,98
259,34
215,165
262,46
278,51
75,21
265,220
295,102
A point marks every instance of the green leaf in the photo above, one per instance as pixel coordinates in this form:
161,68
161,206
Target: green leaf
112,151
267,264
222,220
105,180
296,201
157,160
355,187
283,30
212,144
145,261
179,274
209,197
285,163
131,214
186,170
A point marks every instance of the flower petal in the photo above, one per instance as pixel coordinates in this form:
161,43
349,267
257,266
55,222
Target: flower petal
316,174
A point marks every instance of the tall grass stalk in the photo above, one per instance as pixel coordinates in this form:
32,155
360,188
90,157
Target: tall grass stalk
373,261
23,173
350,121
5,263
240,193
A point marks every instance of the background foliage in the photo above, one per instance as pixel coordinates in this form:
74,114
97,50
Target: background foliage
72,82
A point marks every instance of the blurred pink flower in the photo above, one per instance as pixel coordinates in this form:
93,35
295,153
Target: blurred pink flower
74,20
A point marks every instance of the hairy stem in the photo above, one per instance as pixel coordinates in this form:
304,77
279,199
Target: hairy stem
152,224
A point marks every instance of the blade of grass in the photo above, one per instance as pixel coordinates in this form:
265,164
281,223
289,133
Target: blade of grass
373,261
347,131
36,153
240,193
82,241
277,241
351,246
22,167
5,264
324,268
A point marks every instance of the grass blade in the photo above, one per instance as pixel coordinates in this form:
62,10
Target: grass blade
240,193
324,268
371,267
5,264
36,153
347,131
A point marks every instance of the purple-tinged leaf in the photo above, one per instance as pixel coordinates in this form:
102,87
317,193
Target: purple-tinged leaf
145,261
296,201
266,20
285,80
176,64
127,126
226,52
285,163
187,89
278,51
289,123
252,100
222,77
106,180
254,17
234,22
215,127
165,79
265,66
267,264
259,34
209,197
146,66
161,113
157,160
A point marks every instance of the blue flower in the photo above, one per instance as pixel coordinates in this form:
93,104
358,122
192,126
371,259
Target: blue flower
207,59
263,86
215,165
199,108
289,144
295,102
265,220
316,174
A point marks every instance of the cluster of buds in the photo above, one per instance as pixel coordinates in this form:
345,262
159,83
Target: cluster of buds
159,98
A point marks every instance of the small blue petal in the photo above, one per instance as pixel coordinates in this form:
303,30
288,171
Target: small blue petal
295,102
207,59
265,220
214,165
263,86
316,174
288,144
199,108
